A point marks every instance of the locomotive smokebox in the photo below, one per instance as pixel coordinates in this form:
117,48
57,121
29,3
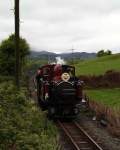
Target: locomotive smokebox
64,93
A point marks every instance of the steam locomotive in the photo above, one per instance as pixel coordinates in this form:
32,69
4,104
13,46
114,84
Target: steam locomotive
58,90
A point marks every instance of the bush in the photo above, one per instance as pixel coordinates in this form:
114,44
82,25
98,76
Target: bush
6,78
110,79
22,125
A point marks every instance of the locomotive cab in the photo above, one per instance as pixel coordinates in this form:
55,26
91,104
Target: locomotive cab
59,90
64,72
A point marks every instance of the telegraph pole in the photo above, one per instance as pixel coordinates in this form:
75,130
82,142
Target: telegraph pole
72,55
17,50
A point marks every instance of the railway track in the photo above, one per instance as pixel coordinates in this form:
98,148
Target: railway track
78,138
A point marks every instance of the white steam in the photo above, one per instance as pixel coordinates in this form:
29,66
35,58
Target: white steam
59,60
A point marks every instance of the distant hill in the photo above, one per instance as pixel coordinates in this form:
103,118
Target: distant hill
66,56
77,55
99,65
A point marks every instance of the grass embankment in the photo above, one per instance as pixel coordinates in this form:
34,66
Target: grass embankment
22,125
108,97
106,103
98,66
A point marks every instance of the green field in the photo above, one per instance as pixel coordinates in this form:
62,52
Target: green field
108,97
98,66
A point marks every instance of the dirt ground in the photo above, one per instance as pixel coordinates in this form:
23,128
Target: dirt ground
98,132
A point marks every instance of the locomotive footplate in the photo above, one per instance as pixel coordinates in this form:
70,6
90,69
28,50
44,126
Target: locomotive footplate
63,111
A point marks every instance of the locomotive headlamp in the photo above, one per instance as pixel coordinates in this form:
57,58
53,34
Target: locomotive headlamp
65,76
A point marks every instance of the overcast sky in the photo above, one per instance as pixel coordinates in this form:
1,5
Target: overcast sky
59,25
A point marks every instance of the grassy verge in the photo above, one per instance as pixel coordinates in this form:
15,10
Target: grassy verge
108,97
22,125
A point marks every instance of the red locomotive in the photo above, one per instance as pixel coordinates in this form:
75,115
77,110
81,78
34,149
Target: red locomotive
58,90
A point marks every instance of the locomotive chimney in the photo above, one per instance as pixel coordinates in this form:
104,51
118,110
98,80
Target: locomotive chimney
61,61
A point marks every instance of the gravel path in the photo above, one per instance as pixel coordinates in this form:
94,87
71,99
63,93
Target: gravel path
99,133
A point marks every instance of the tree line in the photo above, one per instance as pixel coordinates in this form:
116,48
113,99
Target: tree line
104,53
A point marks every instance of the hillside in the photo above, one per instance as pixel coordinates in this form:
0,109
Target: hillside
66,56
98,66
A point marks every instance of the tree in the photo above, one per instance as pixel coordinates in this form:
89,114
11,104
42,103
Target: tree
103,53
100,53
108,52
7,54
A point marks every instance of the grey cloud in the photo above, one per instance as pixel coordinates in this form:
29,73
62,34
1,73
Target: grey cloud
56,25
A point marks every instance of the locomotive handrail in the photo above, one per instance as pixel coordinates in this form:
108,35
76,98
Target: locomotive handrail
65,82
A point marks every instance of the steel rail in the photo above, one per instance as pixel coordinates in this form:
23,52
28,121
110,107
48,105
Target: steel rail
87,135
67,133
82,132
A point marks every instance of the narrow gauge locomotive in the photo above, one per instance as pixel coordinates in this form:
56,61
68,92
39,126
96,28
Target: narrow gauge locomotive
58,90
